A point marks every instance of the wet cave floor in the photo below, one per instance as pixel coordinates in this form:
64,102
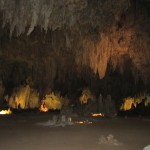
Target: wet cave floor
22,132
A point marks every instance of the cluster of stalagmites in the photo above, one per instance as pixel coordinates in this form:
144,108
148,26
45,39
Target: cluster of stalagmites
25,97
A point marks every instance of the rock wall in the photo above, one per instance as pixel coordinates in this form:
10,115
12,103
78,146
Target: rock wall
65,44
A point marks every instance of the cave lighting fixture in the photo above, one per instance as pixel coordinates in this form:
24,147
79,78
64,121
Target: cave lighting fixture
97,115
43,108
5,112
80,122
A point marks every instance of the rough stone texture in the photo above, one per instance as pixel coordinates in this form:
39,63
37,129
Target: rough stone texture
55,44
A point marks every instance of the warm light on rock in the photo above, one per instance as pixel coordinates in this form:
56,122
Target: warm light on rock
98,115
133,102
43,109
6,112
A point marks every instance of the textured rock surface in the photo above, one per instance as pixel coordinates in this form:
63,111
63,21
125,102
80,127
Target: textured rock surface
57,44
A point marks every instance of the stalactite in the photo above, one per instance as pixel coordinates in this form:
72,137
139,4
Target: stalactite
20,15
34,14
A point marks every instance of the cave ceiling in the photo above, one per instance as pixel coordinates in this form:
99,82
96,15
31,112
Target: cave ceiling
41,40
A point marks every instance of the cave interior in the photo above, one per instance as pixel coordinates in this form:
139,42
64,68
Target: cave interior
77,52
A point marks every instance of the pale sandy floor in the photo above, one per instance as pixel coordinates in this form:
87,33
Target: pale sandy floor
20,132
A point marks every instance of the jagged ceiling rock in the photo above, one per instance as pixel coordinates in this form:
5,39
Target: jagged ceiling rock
54,14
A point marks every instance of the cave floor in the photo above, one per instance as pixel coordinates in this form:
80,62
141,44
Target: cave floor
21,132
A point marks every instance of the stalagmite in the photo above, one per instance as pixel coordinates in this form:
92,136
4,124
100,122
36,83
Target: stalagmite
100,104
109,107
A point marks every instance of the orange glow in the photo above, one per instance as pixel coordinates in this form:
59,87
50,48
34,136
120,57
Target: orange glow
80,122
6,112
43,107
98,115
83,122
128,103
